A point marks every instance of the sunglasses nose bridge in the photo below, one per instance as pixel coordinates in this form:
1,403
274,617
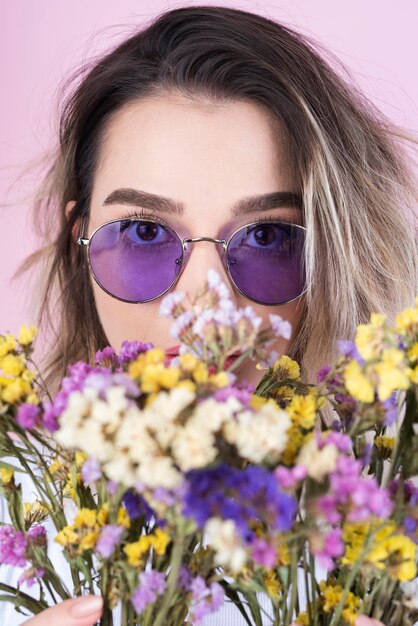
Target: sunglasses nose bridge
187,241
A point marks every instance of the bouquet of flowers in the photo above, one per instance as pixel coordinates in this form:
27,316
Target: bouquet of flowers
171,488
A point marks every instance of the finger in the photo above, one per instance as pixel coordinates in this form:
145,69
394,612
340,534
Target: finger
362,620
83,611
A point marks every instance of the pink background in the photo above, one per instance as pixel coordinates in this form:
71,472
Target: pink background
41,42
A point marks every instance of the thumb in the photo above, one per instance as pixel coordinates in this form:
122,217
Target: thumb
84,611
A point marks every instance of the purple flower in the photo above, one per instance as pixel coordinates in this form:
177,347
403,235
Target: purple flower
31,576
136,506
391,409
263,553
91,471
281,327
288,478
243,395
240,495
129,350
323,373
342,442
109,537
349,349
352,496
13,546
205,599
332,548
82,375
37,536
152,584
27,415
107,356
185,578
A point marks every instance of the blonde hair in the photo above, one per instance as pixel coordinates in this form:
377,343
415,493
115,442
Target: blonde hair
356,176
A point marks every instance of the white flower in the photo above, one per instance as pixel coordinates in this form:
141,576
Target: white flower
259,436
159,473
211,415
193,448
216,284
318,462
281,327
249,314
169,303
181,325
410,589
121,469
227,544
160,417
134,439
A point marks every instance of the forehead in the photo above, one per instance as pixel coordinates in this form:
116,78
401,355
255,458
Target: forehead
203,154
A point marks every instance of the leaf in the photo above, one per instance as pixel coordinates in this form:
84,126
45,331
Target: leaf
234,597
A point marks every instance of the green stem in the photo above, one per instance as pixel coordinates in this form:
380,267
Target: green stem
172,581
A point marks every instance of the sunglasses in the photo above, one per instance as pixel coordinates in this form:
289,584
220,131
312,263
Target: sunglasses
138,260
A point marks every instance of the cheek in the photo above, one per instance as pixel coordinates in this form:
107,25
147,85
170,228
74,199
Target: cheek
121,320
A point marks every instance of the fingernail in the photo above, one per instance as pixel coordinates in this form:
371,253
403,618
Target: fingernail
362,620
86,606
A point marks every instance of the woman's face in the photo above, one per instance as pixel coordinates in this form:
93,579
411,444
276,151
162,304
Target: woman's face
206,157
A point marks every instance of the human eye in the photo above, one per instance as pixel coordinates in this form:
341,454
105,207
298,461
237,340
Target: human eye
274,235
144,229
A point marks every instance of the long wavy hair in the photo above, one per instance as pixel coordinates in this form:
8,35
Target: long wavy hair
353,164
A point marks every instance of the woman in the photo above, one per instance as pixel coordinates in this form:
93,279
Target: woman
240,126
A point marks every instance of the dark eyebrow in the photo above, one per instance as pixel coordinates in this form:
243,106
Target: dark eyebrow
261,202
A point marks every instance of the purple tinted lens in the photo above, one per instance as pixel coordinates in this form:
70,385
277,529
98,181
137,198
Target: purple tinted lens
135,260
265,261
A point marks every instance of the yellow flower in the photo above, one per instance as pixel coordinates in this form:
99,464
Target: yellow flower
16,390
294,443
160,541
7,344
186,384
256,402
302,411
286,368
85,517
123,518
384,442
357,384
219,380
302,619
332,594
12,364
398,553
155,377
369,337
136,550
67,536
272,583
392,373
151,357
88,541
201,374
407,321
6,475
412,353
27,334
80,458
188,362
103,514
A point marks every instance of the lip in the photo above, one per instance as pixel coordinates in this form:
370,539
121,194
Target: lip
172,351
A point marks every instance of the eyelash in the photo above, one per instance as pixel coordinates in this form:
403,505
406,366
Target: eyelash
144,214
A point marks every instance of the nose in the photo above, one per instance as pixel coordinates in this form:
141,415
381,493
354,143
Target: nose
201,255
